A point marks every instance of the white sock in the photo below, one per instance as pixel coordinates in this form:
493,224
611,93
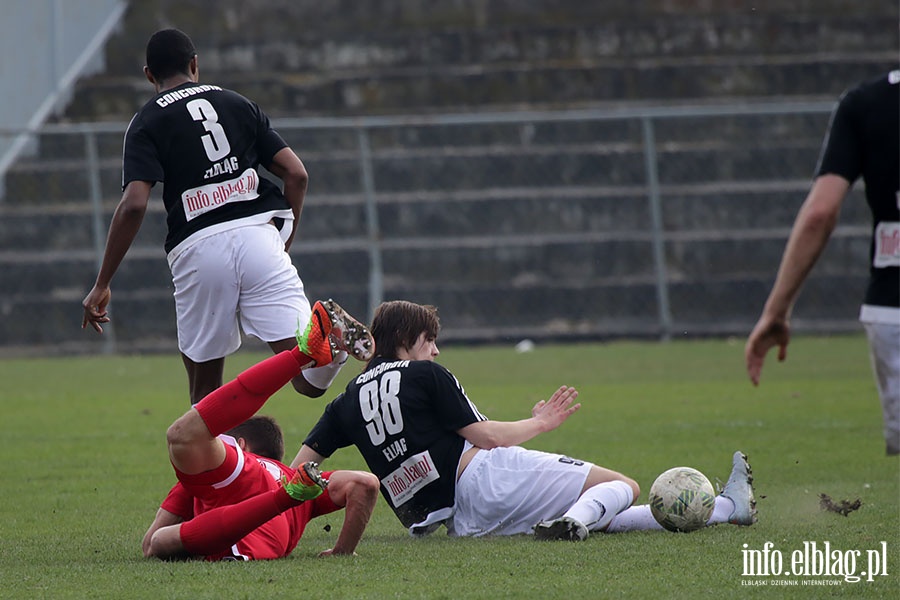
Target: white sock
323,377
721,511
596,507
640,518
636,518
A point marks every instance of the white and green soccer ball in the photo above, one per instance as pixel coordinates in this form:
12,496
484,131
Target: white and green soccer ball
682,499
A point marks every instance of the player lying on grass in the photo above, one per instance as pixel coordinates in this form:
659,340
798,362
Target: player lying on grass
440,461
234,498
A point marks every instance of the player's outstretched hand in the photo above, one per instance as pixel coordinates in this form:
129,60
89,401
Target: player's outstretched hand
557,409
94,305
767,333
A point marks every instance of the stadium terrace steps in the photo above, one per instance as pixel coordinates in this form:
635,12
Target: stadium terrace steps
475,219
144,318
473,54
414,157
548,87
691,212
472,168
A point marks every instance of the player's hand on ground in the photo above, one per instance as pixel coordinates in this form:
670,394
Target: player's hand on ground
331,552
558,408
767,333
94,305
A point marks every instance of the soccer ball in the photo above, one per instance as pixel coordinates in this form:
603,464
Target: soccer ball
682,499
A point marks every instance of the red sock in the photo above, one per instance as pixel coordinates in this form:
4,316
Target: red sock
218,529
242,397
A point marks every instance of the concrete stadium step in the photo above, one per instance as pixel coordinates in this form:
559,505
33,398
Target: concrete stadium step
616,131
460,54
69,227
396,171
331,222
613,129
441,90
540,149
144,317
70,275
72,146
234,21
519,260
55,323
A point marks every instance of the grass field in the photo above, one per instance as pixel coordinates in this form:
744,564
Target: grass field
84,469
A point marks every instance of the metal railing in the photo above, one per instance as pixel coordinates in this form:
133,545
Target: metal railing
656,183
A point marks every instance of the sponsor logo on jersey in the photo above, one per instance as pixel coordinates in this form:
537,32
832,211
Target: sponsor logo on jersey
200,200
174,96
887,245
412,475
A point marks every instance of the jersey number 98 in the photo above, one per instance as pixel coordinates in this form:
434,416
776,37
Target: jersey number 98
380,407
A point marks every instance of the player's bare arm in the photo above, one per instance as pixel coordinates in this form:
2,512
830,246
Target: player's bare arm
546,416
126,222
306,454
288,167
162,520
812,229
356,492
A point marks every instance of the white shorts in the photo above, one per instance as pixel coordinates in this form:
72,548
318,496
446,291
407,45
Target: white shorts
238,278
507,491
884,352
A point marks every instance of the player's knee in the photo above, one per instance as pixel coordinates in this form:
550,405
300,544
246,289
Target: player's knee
154,548
185,429
635,488
164,546
367,485
371,483
175,434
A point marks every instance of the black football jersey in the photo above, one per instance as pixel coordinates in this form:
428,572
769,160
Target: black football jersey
402,416
864,141
205,144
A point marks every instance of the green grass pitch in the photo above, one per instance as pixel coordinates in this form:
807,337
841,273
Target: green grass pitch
84,469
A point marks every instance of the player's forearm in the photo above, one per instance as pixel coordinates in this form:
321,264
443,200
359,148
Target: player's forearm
295,195
357,514
287,166
500,434
121,236
126,223
306,454
805,245
810,234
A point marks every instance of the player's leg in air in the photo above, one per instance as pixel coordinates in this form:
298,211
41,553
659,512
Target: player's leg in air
314,381
195,448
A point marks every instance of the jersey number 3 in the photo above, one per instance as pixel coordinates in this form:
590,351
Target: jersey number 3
214,141
380,406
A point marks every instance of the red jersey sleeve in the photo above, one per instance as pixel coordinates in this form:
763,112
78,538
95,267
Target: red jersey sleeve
179,502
